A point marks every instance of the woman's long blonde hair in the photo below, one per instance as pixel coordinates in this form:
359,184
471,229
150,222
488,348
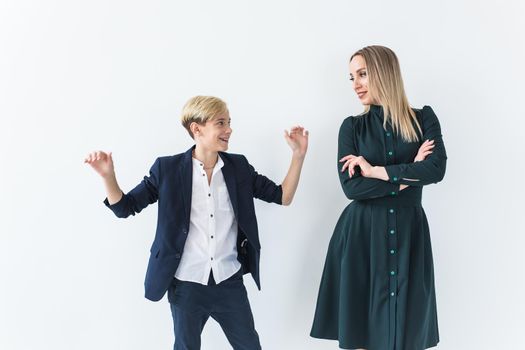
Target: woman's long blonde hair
385,85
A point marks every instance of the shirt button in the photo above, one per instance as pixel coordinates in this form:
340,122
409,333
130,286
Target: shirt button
392,251
211,215
211,237
392,232
212,258
209,194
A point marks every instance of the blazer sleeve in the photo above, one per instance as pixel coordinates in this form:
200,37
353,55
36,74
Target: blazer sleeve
358,187
144,194
264,188
432,169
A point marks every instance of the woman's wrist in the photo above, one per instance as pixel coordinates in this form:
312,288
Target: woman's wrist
379,172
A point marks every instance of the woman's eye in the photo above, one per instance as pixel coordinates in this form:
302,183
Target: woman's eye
363,74
351,79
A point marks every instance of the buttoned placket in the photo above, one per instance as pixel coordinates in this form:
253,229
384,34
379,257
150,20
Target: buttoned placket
392,250
210,206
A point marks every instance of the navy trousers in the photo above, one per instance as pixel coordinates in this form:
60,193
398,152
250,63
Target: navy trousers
227,303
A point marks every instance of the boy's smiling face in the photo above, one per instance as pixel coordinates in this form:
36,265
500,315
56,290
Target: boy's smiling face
215,134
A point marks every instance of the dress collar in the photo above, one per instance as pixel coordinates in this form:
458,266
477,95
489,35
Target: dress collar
376,109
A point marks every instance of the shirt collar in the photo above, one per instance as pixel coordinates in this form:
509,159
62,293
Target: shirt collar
199,165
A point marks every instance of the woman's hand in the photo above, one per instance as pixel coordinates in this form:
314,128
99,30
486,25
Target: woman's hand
351,161
424,150
297,139
102,163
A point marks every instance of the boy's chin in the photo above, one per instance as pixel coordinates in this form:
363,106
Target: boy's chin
222,146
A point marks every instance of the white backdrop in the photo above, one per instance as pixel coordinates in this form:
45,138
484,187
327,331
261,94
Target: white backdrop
113,75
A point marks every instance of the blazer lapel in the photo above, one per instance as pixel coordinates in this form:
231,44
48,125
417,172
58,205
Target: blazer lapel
229,177
186,175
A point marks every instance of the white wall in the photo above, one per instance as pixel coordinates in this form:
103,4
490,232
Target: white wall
113,75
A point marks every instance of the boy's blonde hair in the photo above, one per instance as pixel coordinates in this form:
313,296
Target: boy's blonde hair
200,109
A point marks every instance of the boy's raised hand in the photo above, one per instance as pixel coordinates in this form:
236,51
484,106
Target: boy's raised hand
102,163
297,139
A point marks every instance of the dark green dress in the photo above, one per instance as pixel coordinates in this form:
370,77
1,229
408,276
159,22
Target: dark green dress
377,289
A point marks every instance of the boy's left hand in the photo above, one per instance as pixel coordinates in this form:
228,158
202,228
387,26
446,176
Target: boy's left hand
297,139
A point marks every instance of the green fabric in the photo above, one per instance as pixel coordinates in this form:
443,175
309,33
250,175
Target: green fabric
377,289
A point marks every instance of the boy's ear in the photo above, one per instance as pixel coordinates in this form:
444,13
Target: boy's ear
195,128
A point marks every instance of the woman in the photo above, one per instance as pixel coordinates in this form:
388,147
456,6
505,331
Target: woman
377,289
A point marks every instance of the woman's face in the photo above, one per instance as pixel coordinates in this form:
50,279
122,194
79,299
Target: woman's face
359,78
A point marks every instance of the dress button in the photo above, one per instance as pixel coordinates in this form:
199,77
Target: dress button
203,174
392,232
391,211
392,251
392,273
392,294
387,134
390,153
393,193
395,178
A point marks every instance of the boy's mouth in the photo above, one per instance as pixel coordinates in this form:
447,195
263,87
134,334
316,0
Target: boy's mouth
223,139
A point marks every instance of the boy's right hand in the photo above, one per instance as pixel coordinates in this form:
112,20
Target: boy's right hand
102,163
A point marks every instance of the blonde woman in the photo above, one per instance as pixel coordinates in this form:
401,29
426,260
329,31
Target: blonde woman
377,289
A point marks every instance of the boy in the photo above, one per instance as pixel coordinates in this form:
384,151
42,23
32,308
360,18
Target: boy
207,235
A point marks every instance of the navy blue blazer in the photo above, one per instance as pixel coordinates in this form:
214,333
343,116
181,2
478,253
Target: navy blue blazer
170,183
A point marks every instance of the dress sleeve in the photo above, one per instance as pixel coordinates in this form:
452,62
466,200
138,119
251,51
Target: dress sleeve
432,169
144,194
357,186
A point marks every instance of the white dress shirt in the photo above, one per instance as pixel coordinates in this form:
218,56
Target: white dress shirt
211,244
